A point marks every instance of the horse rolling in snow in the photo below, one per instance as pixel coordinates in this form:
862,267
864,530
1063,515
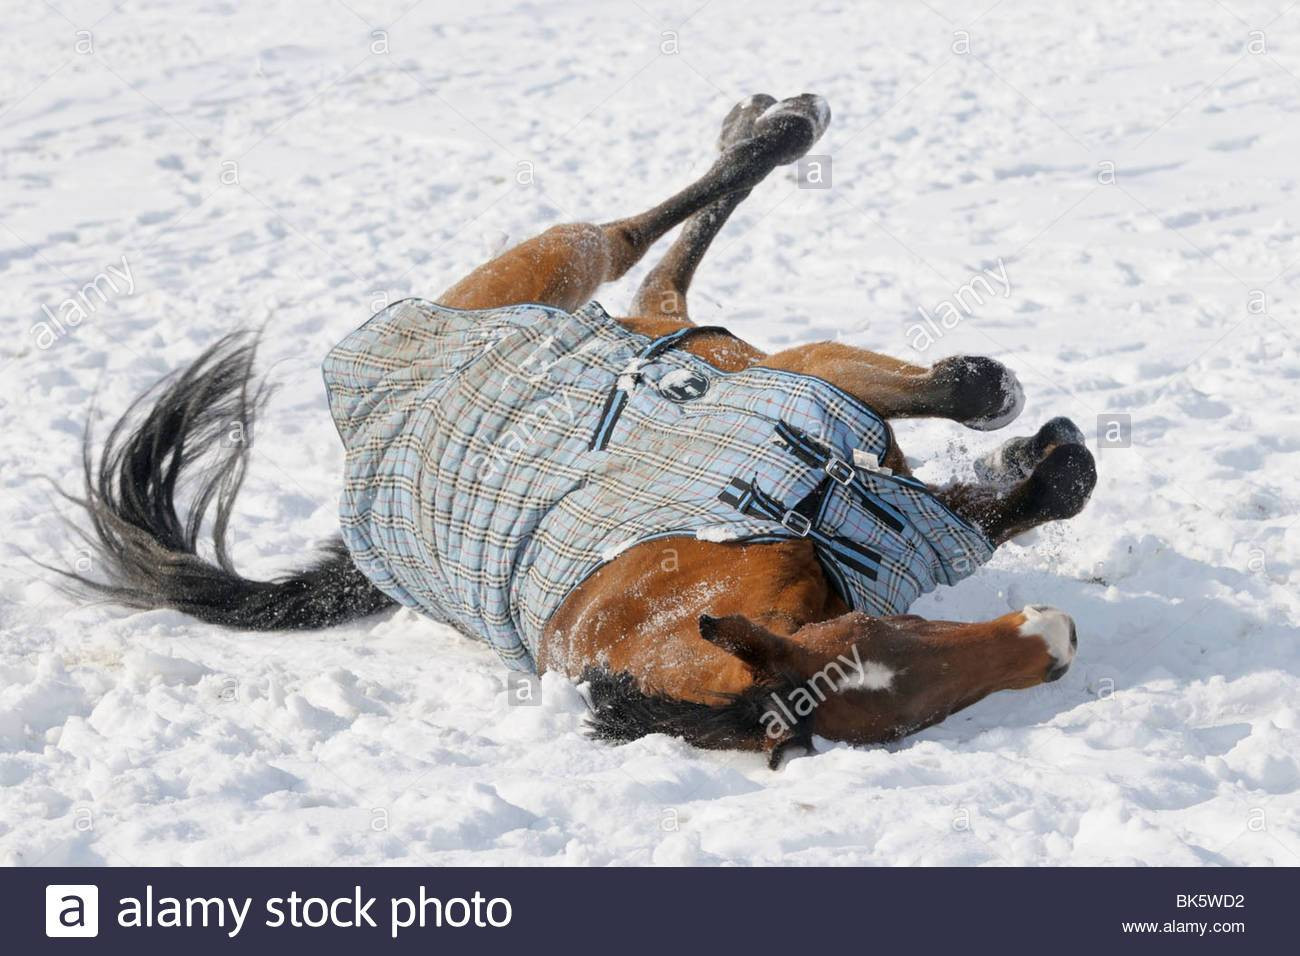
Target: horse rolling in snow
722,543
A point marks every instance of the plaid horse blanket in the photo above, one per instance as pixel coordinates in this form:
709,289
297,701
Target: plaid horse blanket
496,459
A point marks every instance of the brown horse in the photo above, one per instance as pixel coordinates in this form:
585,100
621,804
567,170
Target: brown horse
744,645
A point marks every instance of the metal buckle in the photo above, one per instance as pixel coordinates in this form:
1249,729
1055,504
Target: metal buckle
840,470
795,522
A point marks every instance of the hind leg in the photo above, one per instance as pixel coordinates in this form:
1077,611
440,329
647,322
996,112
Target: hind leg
562,267
662,294
565,265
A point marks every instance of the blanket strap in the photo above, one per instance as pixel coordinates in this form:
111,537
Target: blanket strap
631,376
812,452
801,521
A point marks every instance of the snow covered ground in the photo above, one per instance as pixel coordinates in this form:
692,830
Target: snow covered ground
299,164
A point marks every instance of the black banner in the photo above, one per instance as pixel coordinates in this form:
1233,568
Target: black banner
663,911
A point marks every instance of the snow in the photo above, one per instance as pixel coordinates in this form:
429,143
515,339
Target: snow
1168,294
717,533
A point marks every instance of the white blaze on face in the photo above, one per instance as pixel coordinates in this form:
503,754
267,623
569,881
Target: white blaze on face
1053,627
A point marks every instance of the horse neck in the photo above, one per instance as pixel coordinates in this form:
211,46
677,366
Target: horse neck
640,613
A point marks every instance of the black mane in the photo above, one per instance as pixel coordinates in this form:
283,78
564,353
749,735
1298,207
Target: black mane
621,711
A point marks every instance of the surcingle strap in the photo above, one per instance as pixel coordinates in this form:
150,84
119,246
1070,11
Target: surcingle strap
801,521
811,452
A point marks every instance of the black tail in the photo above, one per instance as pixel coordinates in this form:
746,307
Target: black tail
202,416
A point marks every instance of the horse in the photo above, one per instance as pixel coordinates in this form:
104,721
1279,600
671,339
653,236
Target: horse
780,629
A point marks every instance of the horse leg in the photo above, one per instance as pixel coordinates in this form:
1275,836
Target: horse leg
978,392
1016,458
662,294
565,265
1028,481
1057,488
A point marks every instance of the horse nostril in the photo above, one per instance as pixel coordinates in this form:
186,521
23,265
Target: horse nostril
1074,637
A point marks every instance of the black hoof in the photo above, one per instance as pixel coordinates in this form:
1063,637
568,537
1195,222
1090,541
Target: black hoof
739,123
786,130
982,392
1061,485
1015,460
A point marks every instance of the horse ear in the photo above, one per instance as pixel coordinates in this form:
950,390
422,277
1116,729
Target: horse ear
764,653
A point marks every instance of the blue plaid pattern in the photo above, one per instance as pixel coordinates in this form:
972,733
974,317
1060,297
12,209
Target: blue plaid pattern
496,459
